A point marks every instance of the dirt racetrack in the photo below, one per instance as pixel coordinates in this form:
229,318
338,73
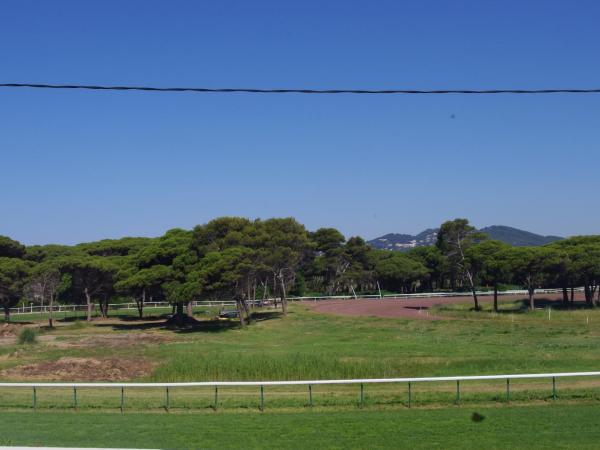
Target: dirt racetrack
417,308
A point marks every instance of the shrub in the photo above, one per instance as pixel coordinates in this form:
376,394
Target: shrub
27,336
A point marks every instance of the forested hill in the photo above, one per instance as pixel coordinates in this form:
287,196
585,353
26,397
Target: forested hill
518,238
509,235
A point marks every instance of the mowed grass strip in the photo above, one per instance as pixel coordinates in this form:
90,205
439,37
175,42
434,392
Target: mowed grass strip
532,427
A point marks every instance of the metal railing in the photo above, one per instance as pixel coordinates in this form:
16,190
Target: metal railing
308,383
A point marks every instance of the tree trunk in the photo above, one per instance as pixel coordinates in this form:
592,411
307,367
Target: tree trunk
572,294
190,309
179,318
140,304
104,307
248,294
88,300
495,297
283,297
245,306
531,291
592,293
587,293
275,291
473,291
265,290
6,313
475,300
565,294
239,307
50,318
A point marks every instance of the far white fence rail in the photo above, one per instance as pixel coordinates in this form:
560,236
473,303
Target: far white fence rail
41,309
308,383
429,295
31,309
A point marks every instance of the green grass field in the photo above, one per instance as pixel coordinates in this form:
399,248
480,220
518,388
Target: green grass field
532,427
308,345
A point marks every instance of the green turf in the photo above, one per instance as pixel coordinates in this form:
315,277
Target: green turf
556,426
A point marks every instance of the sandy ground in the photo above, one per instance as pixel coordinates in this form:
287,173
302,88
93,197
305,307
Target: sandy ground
417,308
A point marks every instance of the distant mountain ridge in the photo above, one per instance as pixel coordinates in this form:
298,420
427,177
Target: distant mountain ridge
518,238
509,235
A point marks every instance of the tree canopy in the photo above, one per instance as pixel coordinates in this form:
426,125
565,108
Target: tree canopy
245,260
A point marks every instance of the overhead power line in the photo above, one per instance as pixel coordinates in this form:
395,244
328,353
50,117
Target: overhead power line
298,91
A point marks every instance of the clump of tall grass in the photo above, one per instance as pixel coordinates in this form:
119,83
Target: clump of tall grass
27,336
78,325
252,366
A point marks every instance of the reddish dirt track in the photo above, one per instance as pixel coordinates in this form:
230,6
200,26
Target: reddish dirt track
417,308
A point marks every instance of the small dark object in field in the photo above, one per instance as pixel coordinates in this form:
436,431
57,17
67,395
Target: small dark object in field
476,417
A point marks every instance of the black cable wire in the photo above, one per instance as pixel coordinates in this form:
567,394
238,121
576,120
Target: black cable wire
299,91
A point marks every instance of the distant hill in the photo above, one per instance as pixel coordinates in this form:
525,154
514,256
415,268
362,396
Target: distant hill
509,235
516,237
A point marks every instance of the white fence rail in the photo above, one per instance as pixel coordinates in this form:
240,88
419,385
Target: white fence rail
32,309
428,295
41,309
309,383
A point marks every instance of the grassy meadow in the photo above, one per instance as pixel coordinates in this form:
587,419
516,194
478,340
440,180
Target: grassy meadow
307,345
531,427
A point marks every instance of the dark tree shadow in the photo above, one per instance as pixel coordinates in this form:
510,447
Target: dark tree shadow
151,318
522,306
266,315
420,308
17,322
191,325
133,326
559,304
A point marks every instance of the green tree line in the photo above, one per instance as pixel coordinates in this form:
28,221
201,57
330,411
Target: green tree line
240,259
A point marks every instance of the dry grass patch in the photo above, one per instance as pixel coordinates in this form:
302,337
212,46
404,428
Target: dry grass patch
81,369
115,340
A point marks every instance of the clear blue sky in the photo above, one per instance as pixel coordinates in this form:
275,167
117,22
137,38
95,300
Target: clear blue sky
79,166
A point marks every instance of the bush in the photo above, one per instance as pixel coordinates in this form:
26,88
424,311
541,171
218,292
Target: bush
27,336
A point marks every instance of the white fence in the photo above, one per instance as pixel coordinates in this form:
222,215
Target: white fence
308,383
32,309
428,295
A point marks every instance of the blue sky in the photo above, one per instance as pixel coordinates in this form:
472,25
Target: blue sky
79,166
